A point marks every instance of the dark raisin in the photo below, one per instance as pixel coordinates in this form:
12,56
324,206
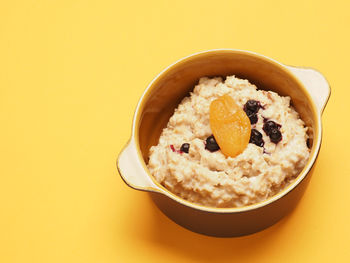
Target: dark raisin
269,126
309,143
185,147
256,138
211,144
252,106
253,118
275,135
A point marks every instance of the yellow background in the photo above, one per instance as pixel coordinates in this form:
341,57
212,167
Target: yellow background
71,73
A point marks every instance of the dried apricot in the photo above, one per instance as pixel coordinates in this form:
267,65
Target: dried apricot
230,125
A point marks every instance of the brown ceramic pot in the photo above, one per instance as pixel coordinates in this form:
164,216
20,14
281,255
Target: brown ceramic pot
309,92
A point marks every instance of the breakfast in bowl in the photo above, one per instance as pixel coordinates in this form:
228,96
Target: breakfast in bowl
230,144
230,155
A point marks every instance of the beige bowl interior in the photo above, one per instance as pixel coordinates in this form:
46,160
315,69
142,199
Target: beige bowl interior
172,85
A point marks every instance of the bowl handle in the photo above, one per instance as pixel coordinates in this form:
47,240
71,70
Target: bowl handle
132,171
315,83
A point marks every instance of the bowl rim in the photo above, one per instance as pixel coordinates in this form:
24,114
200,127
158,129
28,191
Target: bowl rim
284,192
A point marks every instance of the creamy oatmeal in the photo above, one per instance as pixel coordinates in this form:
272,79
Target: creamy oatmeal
187,163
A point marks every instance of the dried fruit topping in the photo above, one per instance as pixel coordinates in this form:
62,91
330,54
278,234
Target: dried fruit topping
252,105
256,138
230,126
271,129
251,108
253,118
174,150
211,144
269,126
309,143
185,147
275,136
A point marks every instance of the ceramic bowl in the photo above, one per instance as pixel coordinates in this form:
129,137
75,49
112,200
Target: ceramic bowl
309,92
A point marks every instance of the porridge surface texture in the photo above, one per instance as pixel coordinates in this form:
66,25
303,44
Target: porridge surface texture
213,179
